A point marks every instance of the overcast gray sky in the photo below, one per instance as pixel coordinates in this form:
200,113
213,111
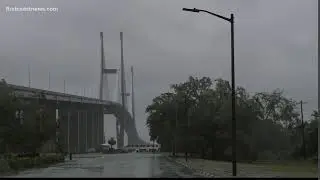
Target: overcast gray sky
275,45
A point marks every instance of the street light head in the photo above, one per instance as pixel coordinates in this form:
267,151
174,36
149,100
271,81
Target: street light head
191,10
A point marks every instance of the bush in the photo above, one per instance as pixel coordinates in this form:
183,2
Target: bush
4,166
267,156
315,159
39,161
29,155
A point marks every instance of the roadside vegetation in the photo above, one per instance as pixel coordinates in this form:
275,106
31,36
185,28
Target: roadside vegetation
24,128
112,142
195,117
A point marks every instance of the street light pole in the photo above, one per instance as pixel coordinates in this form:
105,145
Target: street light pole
233,94
234,124
174,144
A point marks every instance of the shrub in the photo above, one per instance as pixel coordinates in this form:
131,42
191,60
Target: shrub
4,166
39,161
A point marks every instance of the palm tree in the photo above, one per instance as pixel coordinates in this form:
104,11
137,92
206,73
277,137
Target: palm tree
112,142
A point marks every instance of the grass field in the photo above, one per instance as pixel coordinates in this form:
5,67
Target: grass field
290,166
256,169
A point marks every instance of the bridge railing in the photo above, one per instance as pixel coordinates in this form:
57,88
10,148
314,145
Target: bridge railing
51,95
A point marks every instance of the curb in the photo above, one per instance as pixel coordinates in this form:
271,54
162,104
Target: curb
201,172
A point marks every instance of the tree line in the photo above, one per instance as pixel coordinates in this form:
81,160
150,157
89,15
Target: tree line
24,125
195,117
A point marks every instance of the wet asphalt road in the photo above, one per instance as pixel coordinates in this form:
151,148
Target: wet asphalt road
114,165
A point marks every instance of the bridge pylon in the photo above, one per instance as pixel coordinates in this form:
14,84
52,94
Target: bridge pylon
124,120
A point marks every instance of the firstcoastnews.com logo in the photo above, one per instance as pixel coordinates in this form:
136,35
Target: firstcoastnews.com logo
29,9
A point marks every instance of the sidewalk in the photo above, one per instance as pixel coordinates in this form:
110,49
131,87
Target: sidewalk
224,169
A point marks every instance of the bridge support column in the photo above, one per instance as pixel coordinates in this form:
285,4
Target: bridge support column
64,128
69,130
89,129
94,129
83,132
100,127
97,128
78,132
86,130
93,113
93,126
49,145
74,131
82,137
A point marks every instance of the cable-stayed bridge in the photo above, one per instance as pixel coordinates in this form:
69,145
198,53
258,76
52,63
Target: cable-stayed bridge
81,119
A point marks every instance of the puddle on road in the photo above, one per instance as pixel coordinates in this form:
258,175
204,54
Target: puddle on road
134,165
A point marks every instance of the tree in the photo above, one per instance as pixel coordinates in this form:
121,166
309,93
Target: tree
112,142
23,136
195,116
312,135
10,127
40,124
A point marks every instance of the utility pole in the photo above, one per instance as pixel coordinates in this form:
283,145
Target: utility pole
302,129
174,143
29,75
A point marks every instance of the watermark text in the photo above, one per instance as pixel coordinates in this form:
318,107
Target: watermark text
30,9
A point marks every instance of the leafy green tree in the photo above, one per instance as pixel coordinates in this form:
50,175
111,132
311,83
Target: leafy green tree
195,116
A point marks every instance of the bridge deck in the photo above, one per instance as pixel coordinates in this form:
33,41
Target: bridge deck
27,92
110,107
